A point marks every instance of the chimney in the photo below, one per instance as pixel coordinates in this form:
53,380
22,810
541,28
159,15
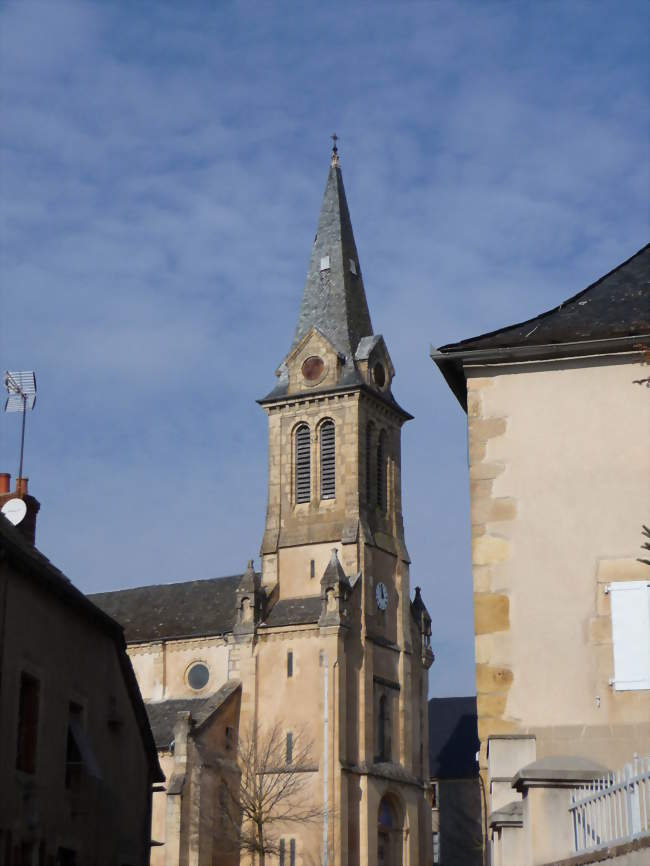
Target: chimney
27,526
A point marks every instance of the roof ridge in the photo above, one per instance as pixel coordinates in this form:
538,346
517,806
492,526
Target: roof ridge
544,315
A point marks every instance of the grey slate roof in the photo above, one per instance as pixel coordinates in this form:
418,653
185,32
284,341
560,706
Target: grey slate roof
163,714
174,610
295,611
334,300
616,305
614,308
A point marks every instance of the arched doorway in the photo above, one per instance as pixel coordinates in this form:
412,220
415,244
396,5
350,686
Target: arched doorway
389,833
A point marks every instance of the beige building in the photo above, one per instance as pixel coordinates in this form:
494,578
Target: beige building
325,640
559,469
78,760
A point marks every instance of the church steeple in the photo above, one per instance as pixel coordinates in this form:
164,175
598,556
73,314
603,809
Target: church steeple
334,298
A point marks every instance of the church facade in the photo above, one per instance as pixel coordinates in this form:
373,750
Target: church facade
324,642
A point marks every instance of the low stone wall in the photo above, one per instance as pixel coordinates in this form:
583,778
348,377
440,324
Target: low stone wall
635,853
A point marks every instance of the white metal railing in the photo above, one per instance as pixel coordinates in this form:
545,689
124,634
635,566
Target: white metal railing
613,808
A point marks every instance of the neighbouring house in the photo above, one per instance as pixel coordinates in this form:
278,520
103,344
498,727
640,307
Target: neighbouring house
455,783
325,640
558,412
78,760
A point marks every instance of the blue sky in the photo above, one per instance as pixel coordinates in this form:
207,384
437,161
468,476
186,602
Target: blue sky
161,170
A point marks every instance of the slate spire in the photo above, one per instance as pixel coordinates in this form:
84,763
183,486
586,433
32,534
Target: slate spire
334,299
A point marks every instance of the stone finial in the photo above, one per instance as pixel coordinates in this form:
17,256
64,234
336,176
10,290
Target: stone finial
248,577
333,573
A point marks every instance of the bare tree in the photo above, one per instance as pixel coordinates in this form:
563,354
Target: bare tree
272,793
646,544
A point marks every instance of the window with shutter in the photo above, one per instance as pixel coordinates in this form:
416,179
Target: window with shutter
381,471
327,461
303,464
630,604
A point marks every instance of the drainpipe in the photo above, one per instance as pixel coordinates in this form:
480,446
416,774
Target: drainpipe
325,754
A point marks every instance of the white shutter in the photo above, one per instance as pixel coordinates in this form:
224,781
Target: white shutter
630,602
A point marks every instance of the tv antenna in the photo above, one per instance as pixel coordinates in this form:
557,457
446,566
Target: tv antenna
22,396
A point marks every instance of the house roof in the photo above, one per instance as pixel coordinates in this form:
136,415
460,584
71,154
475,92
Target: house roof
195,608
163,714
614,308
453,738
295,611
38,568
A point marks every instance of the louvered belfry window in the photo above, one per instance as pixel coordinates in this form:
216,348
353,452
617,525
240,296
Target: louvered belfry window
381,471
303,464
327,461
368,463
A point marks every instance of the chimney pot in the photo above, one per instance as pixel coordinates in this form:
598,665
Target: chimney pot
21,487
5,482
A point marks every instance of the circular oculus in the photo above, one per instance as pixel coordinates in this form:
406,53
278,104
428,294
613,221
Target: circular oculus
312,368
198,676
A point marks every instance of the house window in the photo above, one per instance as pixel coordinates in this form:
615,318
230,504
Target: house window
290,664
327,461
381,471
435,795
303,464
73,757
436,847
289,756
630,604
292,852
230,737
282,852
27,723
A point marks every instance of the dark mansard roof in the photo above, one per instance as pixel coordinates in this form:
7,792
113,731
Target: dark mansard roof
163,714
196,608
453,738
612,314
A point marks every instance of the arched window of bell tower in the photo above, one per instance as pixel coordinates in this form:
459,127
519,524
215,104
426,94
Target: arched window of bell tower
369,437
303,463
382,475
327,460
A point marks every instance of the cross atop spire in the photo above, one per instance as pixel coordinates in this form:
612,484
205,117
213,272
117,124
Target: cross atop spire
334,299
335,151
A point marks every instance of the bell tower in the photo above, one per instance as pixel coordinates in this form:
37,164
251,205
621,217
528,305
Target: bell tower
334,425
334,590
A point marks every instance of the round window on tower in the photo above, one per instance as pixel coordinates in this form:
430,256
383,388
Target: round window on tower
312,368
197,676
379,375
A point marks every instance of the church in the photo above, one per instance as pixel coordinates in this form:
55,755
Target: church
325,644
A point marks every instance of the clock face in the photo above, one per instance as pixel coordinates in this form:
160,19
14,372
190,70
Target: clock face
382,596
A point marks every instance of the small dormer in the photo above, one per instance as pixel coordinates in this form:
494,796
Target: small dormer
374,363
313,363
